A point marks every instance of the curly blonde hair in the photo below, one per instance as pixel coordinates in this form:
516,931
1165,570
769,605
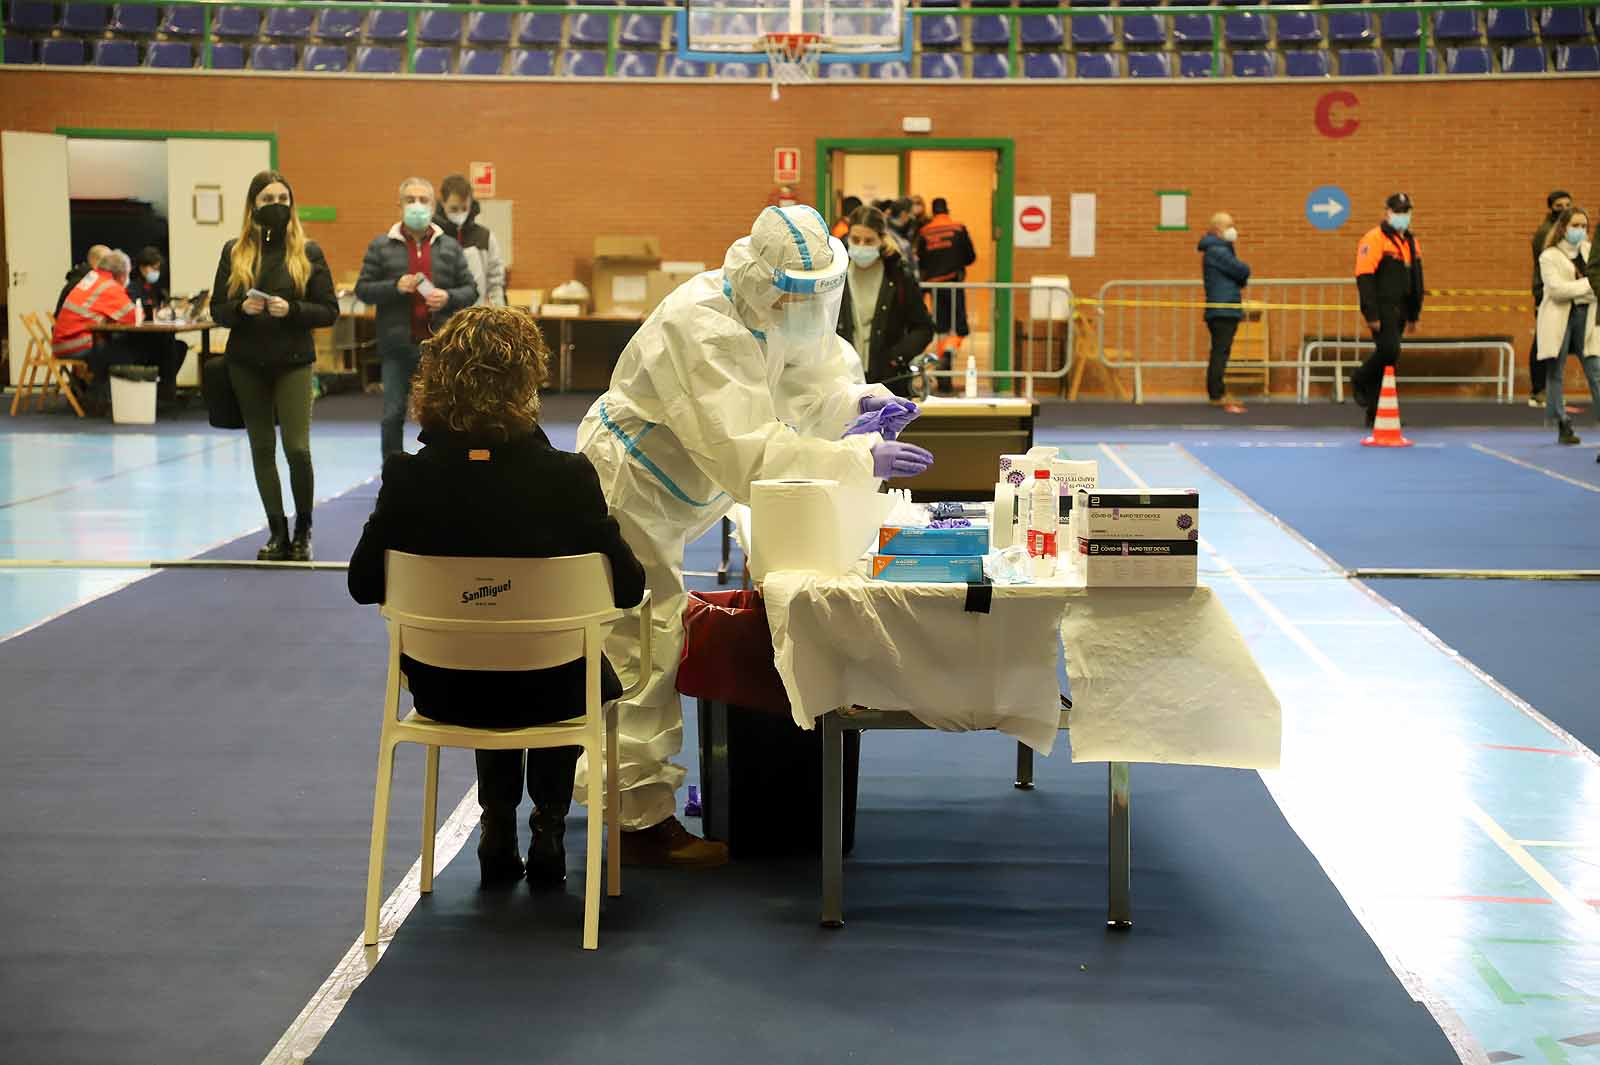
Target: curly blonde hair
481,374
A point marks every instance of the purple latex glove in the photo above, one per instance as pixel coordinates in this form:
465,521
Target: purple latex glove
894,459
875,402
888,417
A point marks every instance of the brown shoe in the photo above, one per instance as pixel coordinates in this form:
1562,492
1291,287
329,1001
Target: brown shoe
670,844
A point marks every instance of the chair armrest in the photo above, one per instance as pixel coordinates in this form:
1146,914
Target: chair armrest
644,649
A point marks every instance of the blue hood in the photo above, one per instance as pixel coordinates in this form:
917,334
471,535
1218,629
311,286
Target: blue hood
1211,240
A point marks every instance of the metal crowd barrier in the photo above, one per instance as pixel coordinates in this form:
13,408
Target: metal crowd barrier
1335,367
1026,326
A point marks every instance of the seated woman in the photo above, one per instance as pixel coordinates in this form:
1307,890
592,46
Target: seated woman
883,317
488,483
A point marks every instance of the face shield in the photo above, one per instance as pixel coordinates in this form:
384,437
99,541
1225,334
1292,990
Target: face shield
787,281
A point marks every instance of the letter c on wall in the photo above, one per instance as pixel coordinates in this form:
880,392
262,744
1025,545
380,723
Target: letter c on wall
1326,124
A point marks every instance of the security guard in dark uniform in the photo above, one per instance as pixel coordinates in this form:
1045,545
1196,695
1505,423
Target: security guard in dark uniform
1389,278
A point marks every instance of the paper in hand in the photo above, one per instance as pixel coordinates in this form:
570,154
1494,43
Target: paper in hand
424,286
257,294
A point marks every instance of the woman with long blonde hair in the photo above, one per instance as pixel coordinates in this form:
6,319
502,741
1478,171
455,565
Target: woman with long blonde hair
272,289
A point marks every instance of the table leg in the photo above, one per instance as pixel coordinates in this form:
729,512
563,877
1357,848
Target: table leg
832,821
564,373
1024,781
727,541
205,345
1119,916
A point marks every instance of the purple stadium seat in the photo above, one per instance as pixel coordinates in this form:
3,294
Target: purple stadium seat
116,53
489,27
734,71
642,31
1349,27
1041,31
431,60
938,31
1305,64
1408,61
1467,61
638,64
60,52
539,29
227,56
439,27
990,65
272,57
1300,27
1514,24
1191,29
338,24
837,72
679,67
1246,29
1044,65
236,22
990,30
1149,65
480,62
1254,65
18,51
1360,63
588,30
1194,65
326,57
31,15
1091,30
894,70
1097,65
169,55
185,20
387,26
1578,57
583,65
373,60
86,18
1456,26
1526,59
940,66
288,24
1144,29
1562,24
1400,26
135,18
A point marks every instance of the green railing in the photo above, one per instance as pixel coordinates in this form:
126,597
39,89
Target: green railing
1217,15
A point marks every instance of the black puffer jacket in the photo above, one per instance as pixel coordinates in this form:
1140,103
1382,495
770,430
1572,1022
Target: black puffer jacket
386,260
262,340
901,326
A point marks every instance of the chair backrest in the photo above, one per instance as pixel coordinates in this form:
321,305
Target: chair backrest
39,334
496,613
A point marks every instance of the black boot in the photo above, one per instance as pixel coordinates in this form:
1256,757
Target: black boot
300,546
547,854
499,858
277,546
1564,433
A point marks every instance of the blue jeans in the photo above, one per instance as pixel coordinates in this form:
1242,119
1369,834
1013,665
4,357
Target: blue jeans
398,368
1555,400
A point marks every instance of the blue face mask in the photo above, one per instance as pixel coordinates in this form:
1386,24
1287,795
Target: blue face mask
864,255
1400,222
417,216
1575,236
152,276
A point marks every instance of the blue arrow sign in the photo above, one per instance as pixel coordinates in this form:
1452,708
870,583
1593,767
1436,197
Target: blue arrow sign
1327,207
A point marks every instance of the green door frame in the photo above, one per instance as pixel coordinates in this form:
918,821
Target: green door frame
172,135
1004,193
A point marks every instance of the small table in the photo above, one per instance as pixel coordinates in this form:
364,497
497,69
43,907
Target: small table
610,328
203,327
967,438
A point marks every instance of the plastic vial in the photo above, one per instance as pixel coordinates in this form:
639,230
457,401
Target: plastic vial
972,377
1042,522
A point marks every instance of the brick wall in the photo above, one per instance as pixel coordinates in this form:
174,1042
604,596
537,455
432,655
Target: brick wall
692,163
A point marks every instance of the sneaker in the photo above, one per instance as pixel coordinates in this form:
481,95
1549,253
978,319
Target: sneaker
1565,435
1536,400
669,844
1228,405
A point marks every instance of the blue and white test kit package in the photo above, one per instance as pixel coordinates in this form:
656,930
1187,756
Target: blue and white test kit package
1108,563
913,540
1137,514
943,569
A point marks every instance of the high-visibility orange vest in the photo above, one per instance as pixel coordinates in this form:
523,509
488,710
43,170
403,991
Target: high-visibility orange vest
99,297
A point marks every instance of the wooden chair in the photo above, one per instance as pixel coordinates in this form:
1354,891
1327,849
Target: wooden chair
38,360
1085,348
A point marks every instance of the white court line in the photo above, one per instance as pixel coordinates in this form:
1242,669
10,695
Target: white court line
1564,844
1585,485
301,1039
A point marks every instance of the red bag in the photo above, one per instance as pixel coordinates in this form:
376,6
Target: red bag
727,652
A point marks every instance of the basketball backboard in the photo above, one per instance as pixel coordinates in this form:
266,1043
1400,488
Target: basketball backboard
852,31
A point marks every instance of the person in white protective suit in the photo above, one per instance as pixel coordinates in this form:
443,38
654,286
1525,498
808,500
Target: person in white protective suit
737,376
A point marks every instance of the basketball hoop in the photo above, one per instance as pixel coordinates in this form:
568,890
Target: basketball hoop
792,58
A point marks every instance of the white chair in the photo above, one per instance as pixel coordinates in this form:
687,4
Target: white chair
502,614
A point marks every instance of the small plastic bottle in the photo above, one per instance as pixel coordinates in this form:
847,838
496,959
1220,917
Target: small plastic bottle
972,377
1042,520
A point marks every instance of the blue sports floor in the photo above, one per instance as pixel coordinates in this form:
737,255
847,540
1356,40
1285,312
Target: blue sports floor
1439,766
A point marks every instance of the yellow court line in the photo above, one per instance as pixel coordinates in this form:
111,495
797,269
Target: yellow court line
1566,844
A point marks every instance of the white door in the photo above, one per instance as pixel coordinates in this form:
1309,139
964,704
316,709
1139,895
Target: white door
38,230
202,166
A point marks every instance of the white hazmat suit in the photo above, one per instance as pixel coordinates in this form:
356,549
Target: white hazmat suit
736,377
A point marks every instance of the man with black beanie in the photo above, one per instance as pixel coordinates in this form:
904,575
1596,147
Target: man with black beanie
1557,202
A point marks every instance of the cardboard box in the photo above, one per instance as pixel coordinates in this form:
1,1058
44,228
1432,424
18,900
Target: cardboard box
935,568
1132,514
622,266
1138,563
916,541
659,284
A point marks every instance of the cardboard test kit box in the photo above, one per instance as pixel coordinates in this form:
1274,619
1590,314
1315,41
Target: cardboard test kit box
622,268
1139,563
1135,514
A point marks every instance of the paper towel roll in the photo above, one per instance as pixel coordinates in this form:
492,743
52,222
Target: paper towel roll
812,526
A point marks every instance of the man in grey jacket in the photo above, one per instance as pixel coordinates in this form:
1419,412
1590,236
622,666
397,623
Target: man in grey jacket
416,277
458,217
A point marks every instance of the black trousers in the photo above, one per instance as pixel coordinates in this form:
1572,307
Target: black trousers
1536,369
550,772
1368,378
1222,331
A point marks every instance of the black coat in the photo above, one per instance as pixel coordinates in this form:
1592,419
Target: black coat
901,326
529,500
386,261
260,339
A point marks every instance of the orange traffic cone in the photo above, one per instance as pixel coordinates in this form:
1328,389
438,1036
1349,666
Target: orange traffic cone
1386,427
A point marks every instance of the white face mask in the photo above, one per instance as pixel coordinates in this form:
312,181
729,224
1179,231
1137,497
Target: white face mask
1230,234
864,255
457,218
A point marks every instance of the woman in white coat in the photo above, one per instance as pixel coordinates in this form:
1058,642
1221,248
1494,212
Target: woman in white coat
1566,322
